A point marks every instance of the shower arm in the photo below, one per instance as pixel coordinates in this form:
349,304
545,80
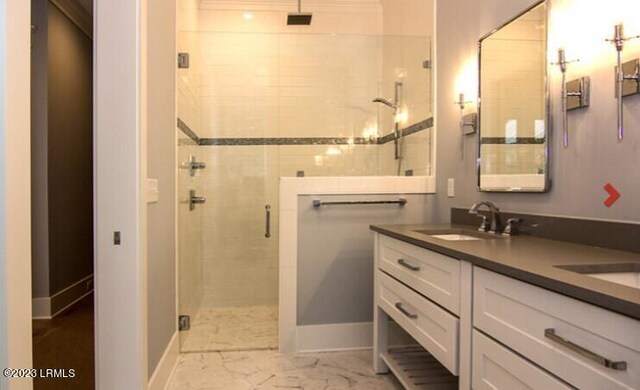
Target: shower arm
618,40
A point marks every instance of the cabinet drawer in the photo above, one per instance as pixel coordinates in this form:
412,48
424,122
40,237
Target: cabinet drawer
497,368
525,318
431,326
432,274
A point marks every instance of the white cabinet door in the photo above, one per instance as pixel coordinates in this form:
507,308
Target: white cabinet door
434,275
497,368
431,326
562,335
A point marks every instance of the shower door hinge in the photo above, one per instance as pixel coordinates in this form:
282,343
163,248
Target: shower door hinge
184,323
183,60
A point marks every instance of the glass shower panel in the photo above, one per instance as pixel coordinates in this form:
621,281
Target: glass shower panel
407,60
261,106
326,118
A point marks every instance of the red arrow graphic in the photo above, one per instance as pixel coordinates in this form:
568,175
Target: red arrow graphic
614,195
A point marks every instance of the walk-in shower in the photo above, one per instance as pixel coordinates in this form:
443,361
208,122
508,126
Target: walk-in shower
262,100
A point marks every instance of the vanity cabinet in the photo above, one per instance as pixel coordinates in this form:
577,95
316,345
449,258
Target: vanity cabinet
569,338
495,332
420,291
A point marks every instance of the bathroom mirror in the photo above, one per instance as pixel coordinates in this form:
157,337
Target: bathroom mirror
513,105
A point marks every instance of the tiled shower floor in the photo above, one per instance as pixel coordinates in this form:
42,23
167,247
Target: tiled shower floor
232,329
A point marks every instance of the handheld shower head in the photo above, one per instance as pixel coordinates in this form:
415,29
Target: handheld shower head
385,102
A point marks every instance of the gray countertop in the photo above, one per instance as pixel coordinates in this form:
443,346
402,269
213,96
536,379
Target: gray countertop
534,260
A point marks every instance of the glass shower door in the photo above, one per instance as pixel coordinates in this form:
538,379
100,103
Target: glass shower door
239,262
235,277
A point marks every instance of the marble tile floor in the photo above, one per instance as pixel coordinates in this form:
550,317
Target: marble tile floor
268,369
232,329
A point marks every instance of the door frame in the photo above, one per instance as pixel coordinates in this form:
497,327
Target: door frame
119,169
15,190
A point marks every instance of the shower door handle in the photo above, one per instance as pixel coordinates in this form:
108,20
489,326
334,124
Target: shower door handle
267,228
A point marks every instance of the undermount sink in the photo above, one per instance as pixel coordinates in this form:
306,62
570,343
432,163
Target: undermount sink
626,274
457,235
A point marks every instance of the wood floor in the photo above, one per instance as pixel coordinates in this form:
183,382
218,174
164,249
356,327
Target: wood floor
66,342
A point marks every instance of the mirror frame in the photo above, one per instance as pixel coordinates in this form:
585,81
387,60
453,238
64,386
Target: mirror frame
547,104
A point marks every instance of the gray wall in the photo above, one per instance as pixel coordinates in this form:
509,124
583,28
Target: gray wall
579,172
70,152
335,254
161,151
62,145
39,151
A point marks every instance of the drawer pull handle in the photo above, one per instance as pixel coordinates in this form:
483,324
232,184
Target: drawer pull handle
618,366
407,265
405,312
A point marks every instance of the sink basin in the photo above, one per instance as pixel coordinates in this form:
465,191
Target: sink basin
455,237
626,274
458,234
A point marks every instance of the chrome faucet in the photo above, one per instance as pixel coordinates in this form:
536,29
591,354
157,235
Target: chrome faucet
492,225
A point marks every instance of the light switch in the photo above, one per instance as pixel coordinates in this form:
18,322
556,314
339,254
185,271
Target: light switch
451,187
152,191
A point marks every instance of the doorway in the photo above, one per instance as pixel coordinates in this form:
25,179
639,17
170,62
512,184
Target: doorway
62,192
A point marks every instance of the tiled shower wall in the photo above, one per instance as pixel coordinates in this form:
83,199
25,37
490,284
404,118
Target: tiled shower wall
259,78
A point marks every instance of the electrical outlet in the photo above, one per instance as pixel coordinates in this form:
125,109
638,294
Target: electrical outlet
451,187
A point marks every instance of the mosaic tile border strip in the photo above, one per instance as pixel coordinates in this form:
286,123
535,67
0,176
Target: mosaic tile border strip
285,141
407,131
187,142
422,125
510,141
187,131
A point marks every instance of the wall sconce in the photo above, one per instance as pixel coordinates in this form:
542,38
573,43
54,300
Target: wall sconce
468,122
623,88
575,94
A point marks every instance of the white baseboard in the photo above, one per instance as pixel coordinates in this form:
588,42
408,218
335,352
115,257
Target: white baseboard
46,308
41,308
167,364
345,337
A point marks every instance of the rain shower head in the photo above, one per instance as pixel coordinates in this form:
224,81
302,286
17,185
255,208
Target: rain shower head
299,18
385,102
